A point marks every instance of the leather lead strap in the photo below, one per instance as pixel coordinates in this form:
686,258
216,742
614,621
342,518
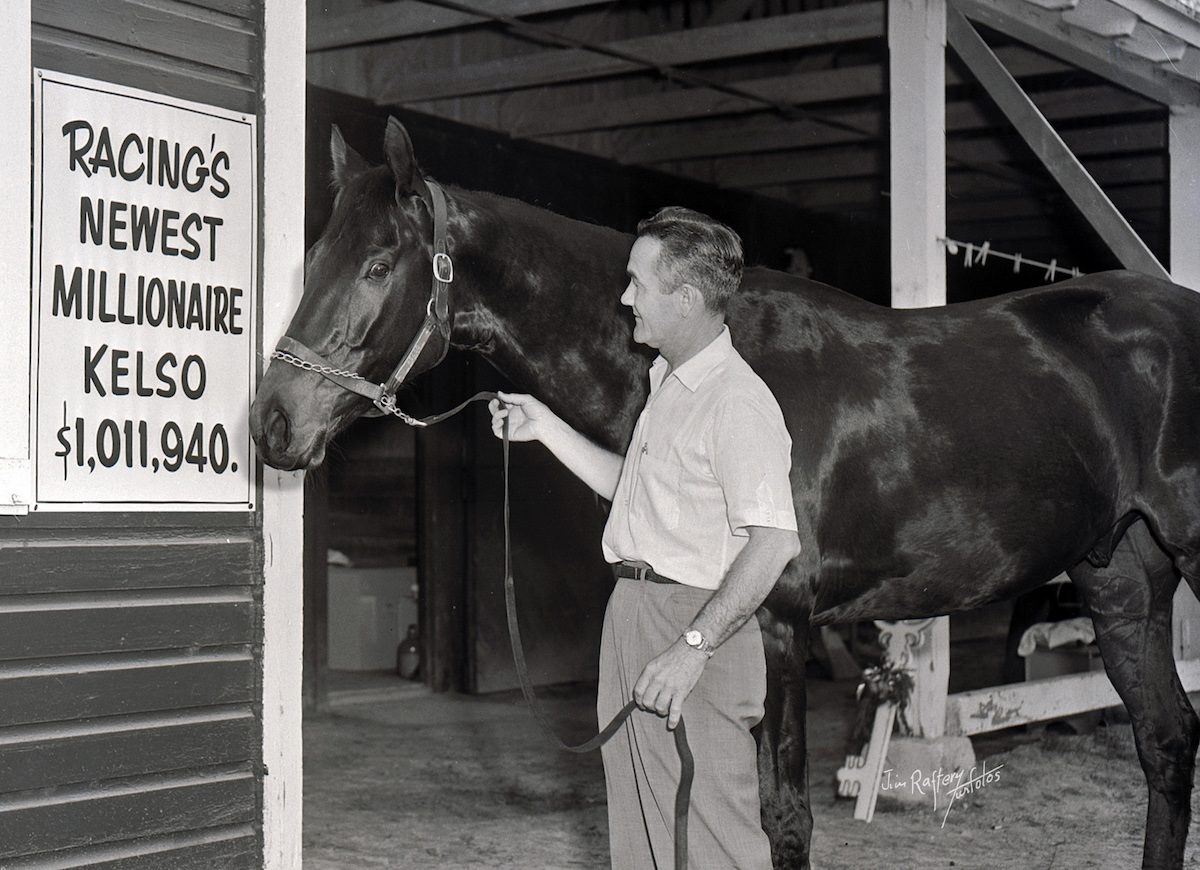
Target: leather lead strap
687,766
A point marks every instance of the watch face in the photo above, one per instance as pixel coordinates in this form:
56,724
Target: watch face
692,637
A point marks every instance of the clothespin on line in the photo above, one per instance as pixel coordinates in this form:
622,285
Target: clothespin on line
979,254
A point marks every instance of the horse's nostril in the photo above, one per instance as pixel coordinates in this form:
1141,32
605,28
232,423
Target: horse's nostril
278,430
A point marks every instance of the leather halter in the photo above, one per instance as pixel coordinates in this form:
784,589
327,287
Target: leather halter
437,319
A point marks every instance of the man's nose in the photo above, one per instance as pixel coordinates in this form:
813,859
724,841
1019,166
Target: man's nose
627,296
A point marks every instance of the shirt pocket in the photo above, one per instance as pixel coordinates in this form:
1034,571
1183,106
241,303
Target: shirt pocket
658,497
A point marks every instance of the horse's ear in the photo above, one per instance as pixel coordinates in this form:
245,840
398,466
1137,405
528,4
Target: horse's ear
398,150
347,162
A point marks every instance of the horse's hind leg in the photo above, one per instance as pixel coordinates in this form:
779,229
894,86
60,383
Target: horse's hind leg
1130,604
782,750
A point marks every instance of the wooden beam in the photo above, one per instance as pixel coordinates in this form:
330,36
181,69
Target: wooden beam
723,42
1166,17
747,165
1043,29
16,134
1184,151
762,170
686,103
749,137
412,18
1184,197
1085,142
917,58
980,210
822,195
984,710
1045,142
769,134
729,11
281,164
805,88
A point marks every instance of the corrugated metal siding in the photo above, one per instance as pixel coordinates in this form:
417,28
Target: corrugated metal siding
130,644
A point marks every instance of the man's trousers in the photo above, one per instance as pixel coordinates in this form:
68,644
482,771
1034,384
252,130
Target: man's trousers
641,765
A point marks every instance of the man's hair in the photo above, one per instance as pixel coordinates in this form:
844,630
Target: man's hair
697,250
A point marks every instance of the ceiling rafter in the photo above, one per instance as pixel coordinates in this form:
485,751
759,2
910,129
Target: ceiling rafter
1044,29
389,21
754,95
687,103
697,45
765,134
851,82
760,171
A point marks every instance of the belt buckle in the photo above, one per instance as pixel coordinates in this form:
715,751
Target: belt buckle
640,571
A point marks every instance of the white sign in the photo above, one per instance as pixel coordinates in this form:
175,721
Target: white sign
144,278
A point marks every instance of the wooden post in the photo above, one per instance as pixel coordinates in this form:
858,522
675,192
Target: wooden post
917,53
15,60
917,61
282,159
931,677
1183,136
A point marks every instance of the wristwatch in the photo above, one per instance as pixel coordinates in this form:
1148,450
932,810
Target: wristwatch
693,638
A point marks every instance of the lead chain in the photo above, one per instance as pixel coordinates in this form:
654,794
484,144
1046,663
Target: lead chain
385,403
314,367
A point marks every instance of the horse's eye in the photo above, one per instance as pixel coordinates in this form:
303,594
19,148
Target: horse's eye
379,271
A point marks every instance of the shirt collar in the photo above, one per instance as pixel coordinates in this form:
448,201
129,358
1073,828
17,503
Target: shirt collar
696,369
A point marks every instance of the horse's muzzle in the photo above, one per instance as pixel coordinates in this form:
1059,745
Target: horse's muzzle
278,439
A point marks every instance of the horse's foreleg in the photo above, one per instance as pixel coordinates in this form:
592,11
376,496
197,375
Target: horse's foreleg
782,750
1130,604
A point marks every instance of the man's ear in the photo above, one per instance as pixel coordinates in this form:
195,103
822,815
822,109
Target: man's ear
690,301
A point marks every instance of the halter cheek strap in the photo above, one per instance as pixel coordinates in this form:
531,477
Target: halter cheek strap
437,310
437,319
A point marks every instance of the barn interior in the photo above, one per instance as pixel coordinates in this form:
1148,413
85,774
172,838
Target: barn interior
773,115
770,114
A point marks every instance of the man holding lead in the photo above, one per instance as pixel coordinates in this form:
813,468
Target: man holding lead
702,525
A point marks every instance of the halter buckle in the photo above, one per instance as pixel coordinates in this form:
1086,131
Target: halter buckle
443,267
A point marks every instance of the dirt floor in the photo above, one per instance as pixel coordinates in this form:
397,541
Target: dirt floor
396,777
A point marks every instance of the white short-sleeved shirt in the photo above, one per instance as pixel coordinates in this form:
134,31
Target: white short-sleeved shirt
710,456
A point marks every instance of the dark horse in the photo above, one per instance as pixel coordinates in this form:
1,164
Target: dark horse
943,458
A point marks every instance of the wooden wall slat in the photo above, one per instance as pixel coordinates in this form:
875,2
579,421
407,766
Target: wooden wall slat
245,9
32,822
149,748
233,848
130,642
162,27
182,524
170,683
125,626
81,55
85,566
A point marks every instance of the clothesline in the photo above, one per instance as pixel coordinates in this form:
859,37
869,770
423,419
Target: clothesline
980,253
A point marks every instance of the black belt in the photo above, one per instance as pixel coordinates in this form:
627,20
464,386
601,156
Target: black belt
641,571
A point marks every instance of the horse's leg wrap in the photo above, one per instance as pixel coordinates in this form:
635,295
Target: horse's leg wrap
1130,603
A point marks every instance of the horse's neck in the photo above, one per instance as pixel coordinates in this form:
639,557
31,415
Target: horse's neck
543,306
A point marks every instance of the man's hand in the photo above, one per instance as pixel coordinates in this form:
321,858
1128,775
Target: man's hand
531,420
668,679
524,414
